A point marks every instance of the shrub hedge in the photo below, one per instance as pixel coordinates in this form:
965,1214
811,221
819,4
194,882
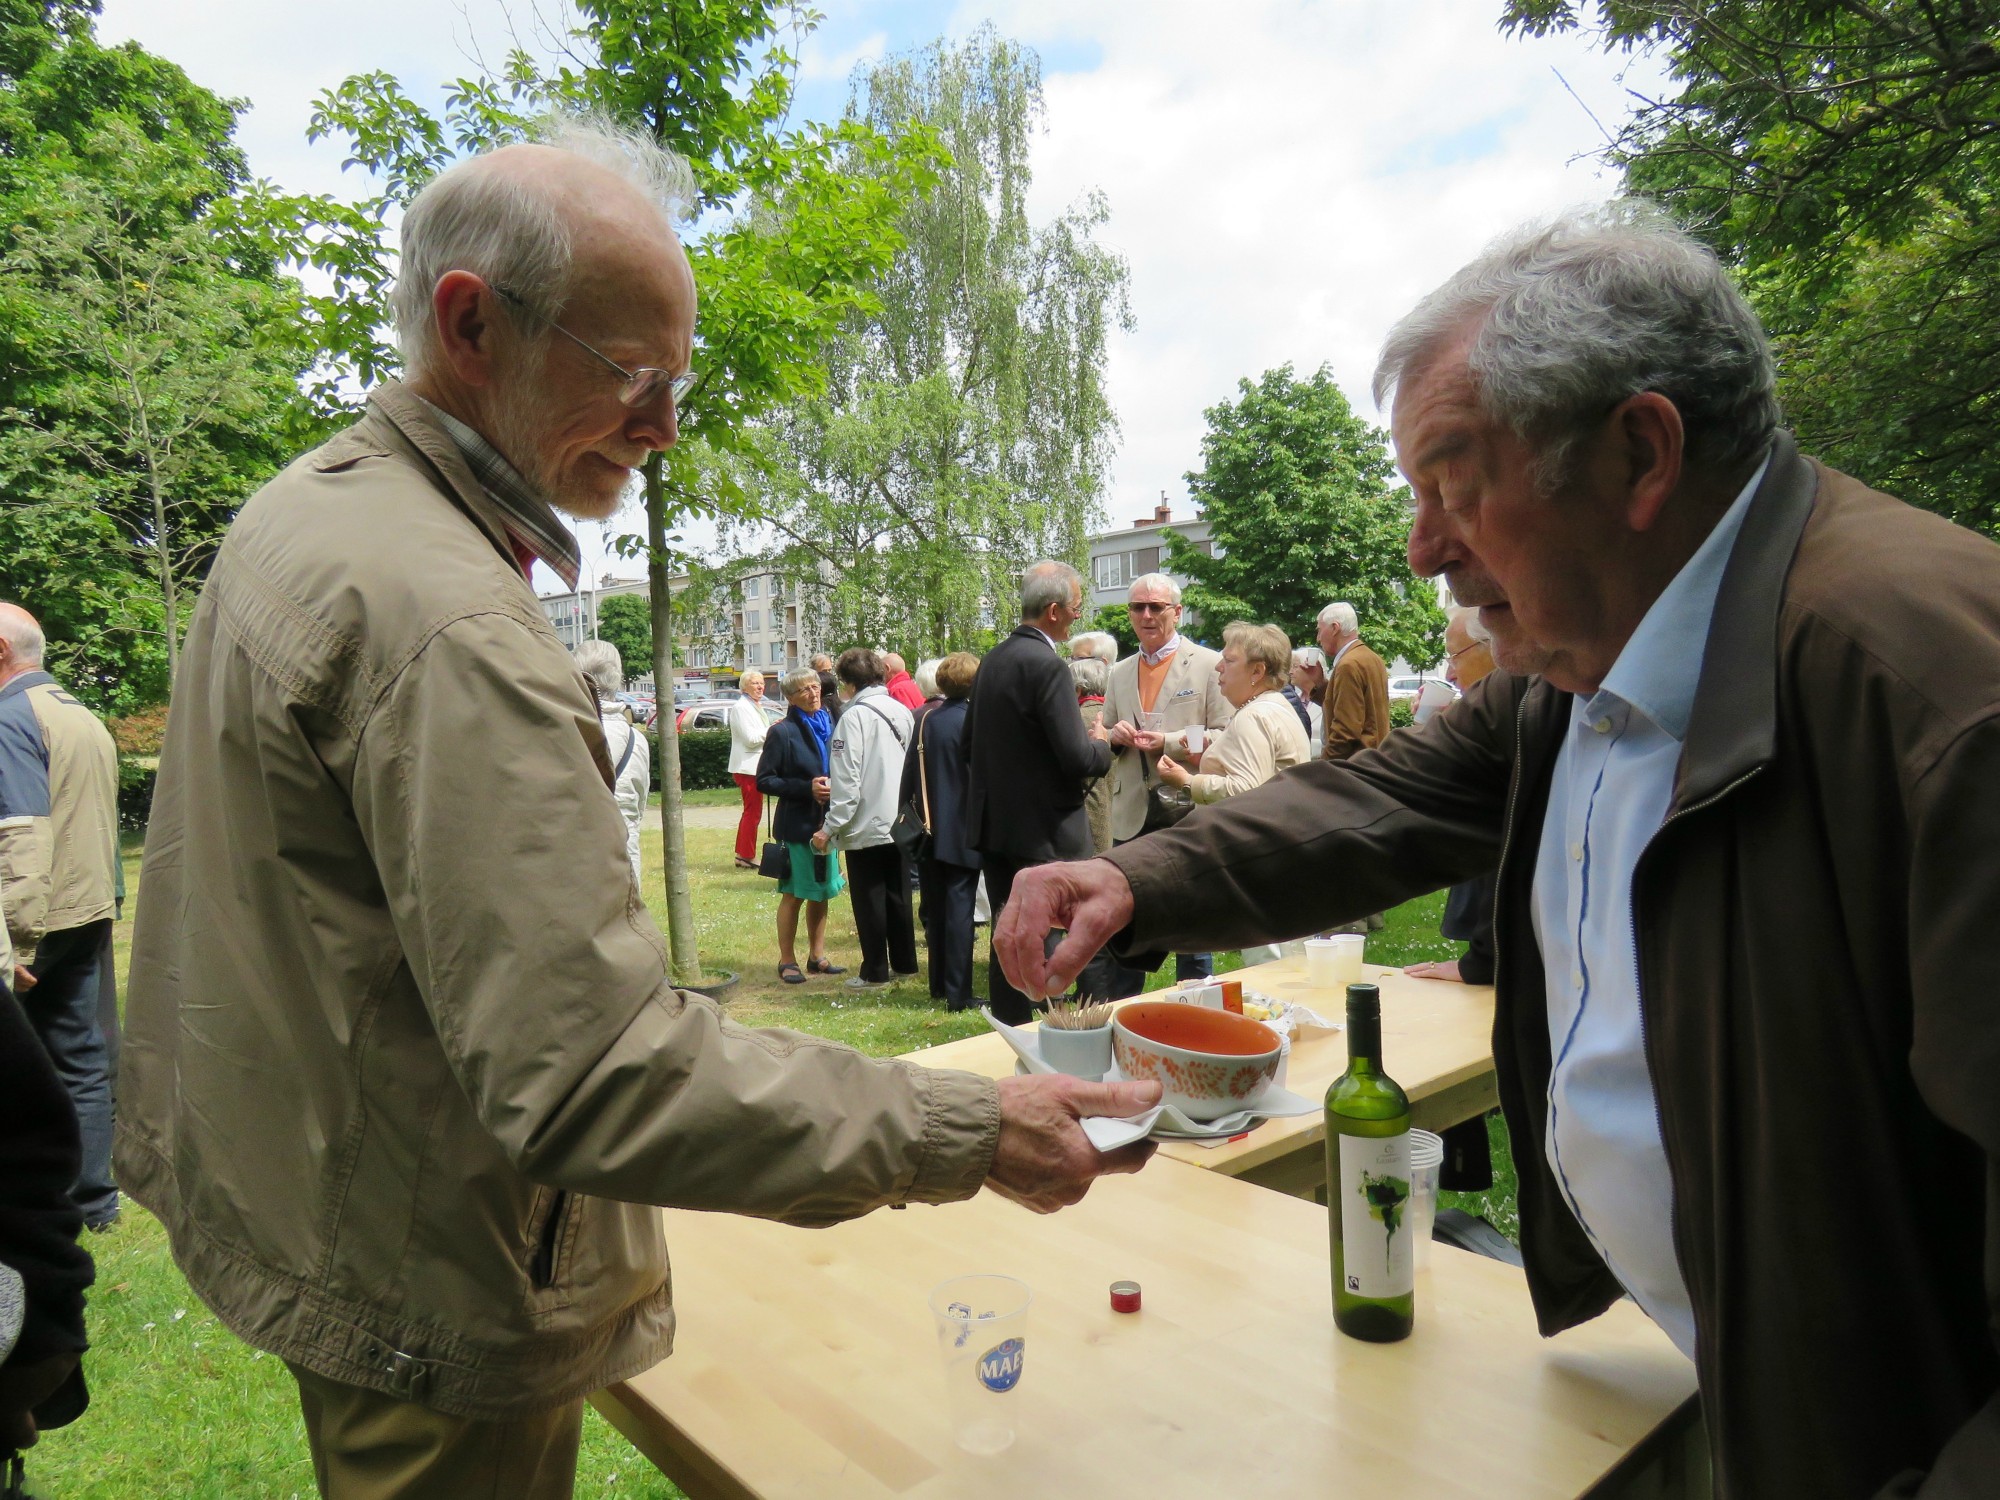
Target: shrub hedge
704,760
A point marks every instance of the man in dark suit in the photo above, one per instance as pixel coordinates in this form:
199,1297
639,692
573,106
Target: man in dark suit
1030,761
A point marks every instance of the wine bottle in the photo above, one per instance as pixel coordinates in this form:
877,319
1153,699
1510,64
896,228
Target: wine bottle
1368,1185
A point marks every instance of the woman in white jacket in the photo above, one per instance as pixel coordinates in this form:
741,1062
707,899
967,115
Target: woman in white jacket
747,728
624,741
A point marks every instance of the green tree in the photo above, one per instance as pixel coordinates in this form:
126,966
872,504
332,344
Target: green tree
798,225
1843,154
965,427
626,621
149,344
1296,491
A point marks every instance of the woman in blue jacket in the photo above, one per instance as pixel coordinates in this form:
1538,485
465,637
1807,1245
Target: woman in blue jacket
793,770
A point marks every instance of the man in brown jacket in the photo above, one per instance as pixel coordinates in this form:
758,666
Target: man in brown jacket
1357,688
404,1065
1739,775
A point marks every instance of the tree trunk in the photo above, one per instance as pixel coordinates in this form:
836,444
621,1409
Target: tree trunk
681,941
163,554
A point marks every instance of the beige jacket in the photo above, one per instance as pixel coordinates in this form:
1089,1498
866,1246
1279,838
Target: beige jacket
1263,739
402,1062
63,866
1190,694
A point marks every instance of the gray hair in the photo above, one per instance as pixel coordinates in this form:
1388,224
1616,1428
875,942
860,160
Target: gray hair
1090,675
925,677
795,679
1158,583
601,663
509,231
1587,310
1468,616
23,636
1309,656
1101,644
1342,615
1047,583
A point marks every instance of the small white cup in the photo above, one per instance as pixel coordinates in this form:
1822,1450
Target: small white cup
1347,951
1426,1161
1197,736
1081,1054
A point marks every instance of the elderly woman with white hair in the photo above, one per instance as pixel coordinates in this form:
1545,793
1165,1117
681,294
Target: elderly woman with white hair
1264,736
624,741
747,728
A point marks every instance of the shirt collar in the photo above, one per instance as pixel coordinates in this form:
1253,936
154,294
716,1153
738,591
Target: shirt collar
1154,658
34,677
1352,642
1660,667
529,518
1054,644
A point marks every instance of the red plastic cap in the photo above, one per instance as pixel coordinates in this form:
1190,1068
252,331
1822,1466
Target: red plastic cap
1124,1296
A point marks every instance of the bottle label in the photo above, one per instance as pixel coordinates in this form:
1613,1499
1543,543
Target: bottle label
1375,1245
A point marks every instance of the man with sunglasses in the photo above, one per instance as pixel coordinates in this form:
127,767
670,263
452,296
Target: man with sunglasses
1156,694
404,1064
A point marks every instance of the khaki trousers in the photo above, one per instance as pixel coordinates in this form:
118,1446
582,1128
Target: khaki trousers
368,1446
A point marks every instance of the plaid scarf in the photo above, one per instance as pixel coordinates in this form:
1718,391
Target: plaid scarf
529,519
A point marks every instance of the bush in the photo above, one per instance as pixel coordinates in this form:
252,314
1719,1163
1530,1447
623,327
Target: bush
141,733
136,774
704,760
1402,713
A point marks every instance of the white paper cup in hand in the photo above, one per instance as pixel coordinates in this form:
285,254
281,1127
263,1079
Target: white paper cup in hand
982,1328
1197,736
1426,1161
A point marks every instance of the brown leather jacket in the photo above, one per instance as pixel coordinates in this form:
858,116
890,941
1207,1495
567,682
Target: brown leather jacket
402,1063
1819,977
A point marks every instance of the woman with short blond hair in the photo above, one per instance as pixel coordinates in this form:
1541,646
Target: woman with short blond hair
747,728
1265,736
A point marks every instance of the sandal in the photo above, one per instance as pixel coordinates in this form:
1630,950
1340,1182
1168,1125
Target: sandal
790,974
745,864
824,966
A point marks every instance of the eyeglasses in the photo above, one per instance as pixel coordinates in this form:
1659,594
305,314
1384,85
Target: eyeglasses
641,385
1147,607
1469,646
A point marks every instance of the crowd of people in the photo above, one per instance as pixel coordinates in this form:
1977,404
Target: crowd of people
948,782
404,1074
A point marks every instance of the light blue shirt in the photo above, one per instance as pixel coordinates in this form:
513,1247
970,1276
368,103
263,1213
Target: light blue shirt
1613,782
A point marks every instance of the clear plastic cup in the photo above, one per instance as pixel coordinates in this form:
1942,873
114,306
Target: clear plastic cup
1426,1160
1347,951
982,1327
1197,736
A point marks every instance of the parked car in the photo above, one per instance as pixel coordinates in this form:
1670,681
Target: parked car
713,713
1409,687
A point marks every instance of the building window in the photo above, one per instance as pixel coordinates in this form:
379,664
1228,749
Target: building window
751,586
1110,571
750,656
751,620
1145,560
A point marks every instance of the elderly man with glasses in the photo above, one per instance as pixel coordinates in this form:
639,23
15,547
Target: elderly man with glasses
405,1065
1157,694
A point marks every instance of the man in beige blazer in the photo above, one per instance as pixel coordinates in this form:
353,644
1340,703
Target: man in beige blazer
1171,676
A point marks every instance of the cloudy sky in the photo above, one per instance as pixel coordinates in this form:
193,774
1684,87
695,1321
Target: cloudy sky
1284,177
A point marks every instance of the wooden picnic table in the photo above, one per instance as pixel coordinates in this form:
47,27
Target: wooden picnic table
807,1367
1437,1042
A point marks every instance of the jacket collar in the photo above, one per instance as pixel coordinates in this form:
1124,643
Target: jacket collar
25,681
400,421
1734,726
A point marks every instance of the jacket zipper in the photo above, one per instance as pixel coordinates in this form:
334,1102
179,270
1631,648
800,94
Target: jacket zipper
542,1268
1646,1036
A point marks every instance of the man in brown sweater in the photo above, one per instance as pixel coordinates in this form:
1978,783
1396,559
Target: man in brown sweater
1357,689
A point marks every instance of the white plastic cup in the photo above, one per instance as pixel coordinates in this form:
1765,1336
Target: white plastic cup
1426,1160
1347,950
1321,964
1197,736
982,1328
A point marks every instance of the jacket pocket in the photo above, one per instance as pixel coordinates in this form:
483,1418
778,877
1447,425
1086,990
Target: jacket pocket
544,1263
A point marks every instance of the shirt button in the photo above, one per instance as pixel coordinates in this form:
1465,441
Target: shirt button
1576,851
1603,725
1576,977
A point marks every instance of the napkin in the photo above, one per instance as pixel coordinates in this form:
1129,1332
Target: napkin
1108,1134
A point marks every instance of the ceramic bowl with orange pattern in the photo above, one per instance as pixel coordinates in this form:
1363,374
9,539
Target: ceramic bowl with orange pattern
1210,1062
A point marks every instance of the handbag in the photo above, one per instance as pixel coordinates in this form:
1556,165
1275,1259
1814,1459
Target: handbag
776,861
912,828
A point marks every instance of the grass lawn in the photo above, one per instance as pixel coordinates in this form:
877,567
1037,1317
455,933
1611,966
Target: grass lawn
180,1407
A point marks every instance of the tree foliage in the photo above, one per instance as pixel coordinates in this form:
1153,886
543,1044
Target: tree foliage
1846,155
150,345
965,427
1296,491
626,621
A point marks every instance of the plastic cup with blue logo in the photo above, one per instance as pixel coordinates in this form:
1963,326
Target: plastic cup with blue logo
982,1325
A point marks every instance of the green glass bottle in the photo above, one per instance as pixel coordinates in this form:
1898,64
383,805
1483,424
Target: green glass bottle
1368,1185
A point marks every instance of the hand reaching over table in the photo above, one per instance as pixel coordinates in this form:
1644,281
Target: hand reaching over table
1089,898
1044,1160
